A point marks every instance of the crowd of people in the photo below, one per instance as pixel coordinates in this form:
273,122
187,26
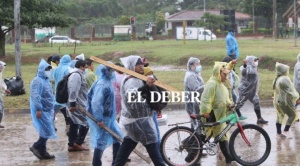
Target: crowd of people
104,94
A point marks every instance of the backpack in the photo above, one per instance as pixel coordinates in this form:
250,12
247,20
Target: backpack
15,85
62,94
157,106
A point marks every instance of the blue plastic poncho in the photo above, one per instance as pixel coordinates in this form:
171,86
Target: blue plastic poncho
193,82
136,117
101,104
232,45
62,70
42,98
296,79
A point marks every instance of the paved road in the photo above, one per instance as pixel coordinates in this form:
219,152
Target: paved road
19,135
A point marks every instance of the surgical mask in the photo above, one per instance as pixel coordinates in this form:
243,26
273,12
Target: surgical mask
86,71
198,69
255,63
150,76
48,74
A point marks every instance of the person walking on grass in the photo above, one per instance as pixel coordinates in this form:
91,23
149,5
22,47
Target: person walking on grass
42,110
285,99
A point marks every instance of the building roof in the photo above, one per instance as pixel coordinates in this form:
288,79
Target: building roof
187,15
290,11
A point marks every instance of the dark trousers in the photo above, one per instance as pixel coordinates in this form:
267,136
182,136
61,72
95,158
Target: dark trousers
98,154
64,112
40,145
127,147
77,133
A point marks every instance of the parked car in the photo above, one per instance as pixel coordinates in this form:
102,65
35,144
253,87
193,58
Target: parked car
43,39
206,35
62,39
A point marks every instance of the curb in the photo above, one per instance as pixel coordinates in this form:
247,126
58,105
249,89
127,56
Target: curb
169,107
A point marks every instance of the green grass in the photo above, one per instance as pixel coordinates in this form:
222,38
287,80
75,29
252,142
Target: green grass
161,52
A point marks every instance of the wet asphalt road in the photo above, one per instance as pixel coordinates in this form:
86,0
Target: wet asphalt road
19,134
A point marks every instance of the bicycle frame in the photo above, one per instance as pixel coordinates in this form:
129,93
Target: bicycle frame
232,119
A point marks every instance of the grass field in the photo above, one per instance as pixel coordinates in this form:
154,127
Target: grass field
160,53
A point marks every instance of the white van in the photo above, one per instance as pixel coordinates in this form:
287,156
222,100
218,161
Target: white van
194,33
206,34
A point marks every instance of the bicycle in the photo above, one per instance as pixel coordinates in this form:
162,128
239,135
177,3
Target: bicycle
249,144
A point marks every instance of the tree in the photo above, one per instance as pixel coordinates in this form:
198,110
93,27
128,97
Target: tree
159,21
34,13
211,21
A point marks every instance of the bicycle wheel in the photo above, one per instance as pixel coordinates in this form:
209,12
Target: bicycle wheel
257,152
180,147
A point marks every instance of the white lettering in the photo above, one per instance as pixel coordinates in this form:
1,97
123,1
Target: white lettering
165,97
153,96
139,97
195,97
175,95
131,96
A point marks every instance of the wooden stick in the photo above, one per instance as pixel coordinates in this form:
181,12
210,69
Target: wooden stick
132,73
147,159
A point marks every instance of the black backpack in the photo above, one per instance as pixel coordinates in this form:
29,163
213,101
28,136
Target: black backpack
157,106
62,94
15,85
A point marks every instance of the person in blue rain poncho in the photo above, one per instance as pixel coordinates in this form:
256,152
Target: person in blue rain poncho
101,104
62,70
41,108
248,87
232,46
137,117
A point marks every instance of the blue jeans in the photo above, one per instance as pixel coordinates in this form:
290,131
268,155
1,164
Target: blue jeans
127,147
98,154
41,145
156,125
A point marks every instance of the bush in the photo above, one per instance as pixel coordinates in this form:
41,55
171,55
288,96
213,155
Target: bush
247,30
170,32
265,31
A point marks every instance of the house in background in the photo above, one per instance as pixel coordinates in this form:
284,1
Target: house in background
176,20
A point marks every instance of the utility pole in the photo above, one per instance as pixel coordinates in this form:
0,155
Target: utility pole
204,7
253,16
295,21
17,29
274,20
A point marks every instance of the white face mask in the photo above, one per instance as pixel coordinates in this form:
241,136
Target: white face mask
48,74
150,76
255,63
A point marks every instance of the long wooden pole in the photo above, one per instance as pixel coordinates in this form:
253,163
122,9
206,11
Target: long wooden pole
132,73
147,159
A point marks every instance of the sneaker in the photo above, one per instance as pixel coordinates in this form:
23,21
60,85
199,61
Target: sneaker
242,117
81,147
281,136
48,156
74,149
287,134
261,121
35,152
